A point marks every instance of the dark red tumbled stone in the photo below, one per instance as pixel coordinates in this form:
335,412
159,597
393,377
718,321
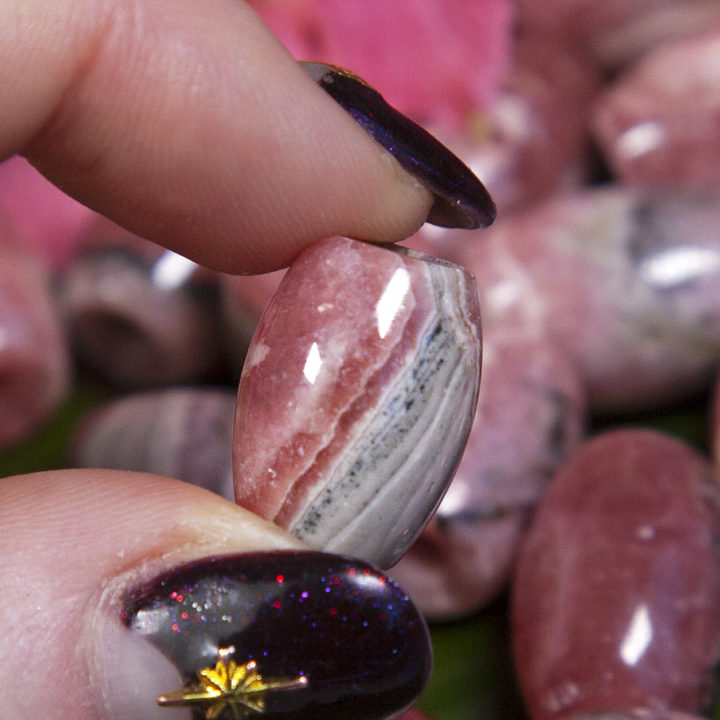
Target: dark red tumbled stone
638,714
617,592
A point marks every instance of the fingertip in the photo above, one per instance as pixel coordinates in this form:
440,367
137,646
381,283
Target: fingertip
195,128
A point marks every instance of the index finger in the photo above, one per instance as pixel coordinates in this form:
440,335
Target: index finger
191,125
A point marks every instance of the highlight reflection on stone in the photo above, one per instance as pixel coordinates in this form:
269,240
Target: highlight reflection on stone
616,600
357,397
657,123
138,314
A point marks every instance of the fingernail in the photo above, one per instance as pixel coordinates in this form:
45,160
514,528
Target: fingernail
380,347
291,635
461,200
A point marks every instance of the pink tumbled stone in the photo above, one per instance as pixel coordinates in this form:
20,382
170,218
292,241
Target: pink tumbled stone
638,714
357,396
34,359
243,300
626,282
180,432
618,31
140,315
616,599
530,417
658,123
414,714
537,124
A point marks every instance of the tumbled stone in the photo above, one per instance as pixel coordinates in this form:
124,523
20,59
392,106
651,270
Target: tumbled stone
615,33
34,357
357,396
657,123
638,714
530,418
140,315
184,433
616,599
626,282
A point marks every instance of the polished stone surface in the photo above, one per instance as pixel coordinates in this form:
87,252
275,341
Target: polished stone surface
34,357
357,396
657,123
530,418
617,33
354,642
626,282
616,599
140,315
184,433
638,714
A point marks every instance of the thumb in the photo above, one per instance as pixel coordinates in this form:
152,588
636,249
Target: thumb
119,588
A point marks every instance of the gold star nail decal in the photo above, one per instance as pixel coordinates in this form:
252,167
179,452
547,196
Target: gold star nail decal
229,686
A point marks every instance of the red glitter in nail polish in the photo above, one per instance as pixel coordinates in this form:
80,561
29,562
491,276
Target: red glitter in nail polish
291,628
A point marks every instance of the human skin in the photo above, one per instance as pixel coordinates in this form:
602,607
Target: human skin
211,130
190,125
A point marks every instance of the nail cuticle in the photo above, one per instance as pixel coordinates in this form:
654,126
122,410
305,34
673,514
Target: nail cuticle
290,634
124,672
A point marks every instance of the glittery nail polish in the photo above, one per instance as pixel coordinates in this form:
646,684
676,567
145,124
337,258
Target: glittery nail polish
293,635
461,200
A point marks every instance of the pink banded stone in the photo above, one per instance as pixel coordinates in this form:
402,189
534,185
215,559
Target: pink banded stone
357,396
180,432
530,417
624,281
617,590
639,714
34,357
657,124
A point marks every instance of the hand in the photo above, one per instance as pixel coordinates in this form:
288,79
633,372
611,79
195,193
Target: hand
187,123
195,128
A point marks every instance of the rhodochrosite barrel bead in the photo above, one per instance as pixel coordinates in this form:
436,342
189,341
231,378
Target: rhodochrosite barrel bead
357,396
34,358
617,591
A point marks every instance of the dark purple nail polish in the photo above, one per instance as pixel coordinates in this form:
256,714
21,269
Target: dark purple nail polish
293,635
461,200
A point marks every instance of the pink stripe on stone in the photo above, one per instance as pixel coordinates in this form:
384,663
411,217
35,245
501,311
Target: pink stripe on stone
357,396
